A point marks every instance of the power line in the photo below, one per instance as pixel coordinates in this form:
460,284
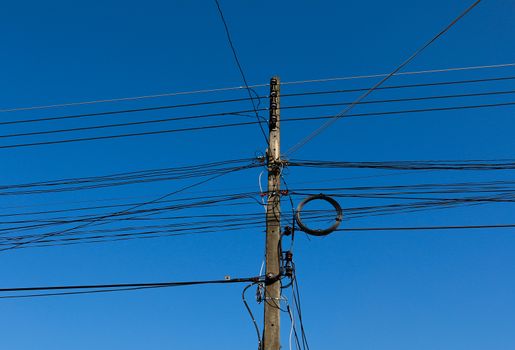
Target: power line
125,111
118,125
230,222
235,88
125,178
165,120
301,143
207,127
405,99
437,109
403,86
508,164
245,222
423,228
97,288
107,216
157,132
240,68
441,70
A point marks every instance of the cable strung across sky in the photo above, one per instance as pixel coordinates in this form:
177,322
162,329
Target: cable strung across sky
403,199
236,88
232,125
504,164
100,220
343,113
126,178
100,288
240,113
207,169
214,102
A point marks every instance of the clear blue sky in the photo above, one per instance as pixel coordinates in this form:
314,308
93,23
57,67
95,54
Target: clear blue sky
361,291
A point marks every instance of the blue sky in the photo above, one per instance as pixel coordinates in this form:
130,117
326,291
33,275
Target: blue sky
361,291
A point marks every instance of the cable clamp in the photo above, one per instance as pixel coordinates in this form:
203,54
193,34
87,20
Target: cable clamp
270,278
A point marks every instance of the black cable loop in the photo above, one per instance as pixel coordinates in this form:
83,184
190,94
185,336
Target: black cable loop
319,232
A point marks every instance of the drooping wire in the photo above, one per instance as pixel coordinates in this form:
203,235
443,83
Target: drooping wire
256,327
297,304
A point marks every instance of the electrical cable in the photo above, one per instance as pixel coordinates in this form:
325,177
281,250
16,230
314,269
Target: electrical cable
117,125
240,68
441,70
436,109
297,304
326,125
119,179
507,164
145,133
101,218
258,333
84,289
170,119
206,127
395,87
406,99
423,228
133,110
234,88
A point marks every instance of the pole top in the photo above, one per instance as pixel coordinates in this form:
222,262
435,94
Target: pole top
275,80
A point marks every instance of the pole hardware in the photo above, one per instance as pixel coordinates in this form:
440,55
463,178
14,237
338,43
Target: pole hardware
319,232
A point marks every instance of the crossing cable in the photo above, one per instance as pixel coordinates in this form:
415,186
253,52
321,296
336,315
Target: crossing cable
103,288
165,107
403,86
133,110
240,68
436,109
378,191
326,125
319,105
107,216
235,88
427,71
230,125
125,178
188,231
132,123
497,192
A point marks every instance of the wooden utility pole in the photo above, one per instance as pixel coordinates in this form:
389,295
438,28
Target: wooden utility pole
271,330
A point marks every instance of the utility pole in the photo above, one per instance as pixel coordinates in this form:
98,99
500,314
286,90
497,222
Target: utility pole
271,330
